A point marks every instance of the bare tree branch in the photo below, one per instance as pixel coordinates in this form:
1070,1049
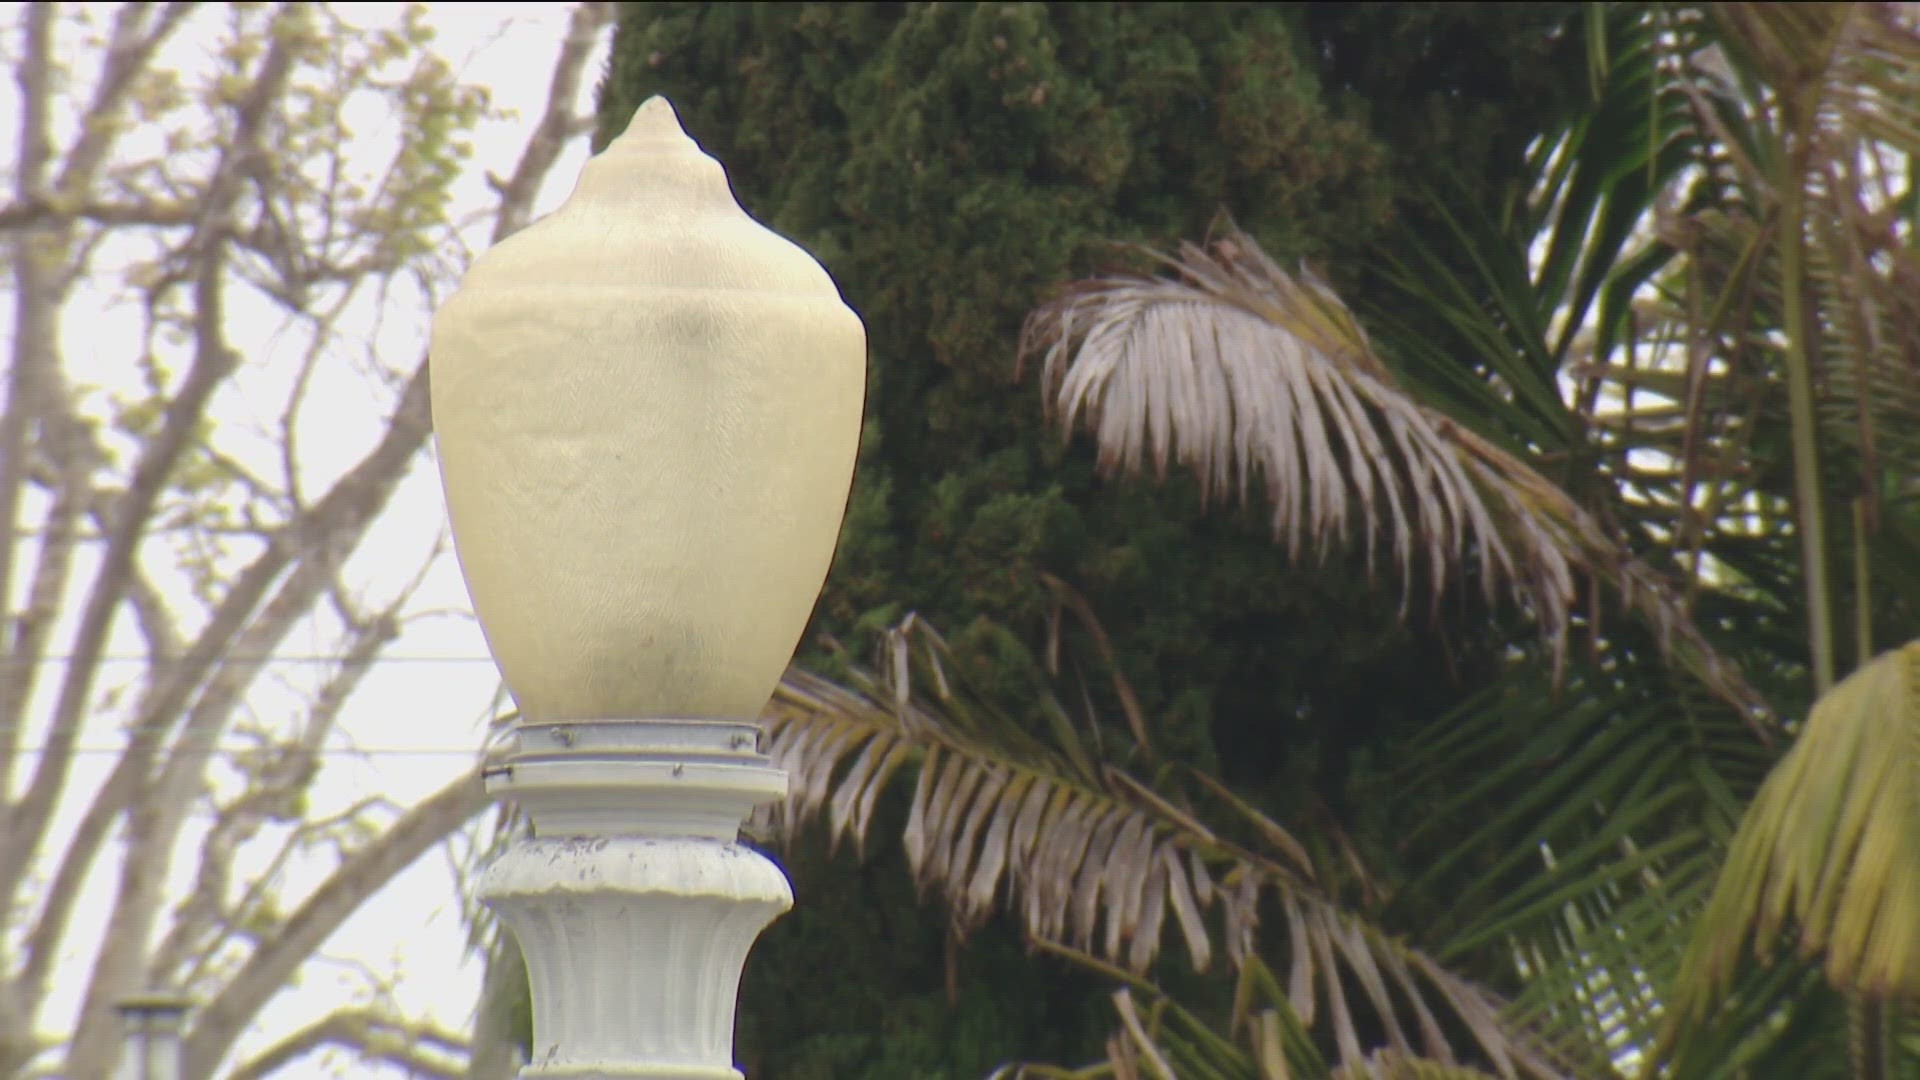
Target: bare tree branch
156,624
296,398
192,689
35,340
253,916
284,777
558,125
39,210
220,1023
161,806
75,455
33,336
212,362
34,624
373,1037
38,283
128,54
223,1019
34,76
341,516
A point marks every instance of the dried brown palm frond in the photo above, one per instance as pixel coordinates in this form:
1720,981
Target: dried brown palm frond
1329,947
1830,845
1081,851
1093,860
1390,1066
1269,1038
1234,368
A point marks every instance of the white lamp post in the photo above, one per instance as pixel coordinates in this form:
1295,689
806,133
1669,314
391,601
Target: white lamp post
647,406
152,1047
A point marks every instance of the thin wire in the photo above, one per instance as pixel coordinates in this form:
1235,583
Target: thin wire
270,658
448,750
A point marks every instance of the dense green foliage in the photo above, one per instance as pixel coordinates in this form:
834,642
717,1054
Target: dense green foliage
950,163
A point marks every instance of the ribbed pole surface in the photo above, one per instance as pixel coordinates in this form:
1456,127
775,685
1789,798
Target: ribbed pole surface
634,904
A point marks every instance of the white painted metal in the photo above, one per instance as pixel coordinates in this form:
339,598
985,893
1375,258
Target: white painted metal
634,904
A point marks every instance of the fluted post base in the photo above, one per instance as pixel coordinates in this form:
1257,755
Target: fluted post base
634,903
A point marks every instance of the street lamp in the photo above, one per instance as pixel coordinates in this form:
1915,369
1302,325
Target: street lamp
153,1027
647,406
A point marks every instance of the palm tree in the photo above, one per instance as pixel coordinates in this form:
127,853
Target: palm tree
1691,365
1808,182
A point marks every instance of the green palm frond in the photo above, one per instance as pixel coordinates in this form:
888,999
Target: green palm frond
1576,837
1162,1039
1795,398
1798,281
1576,833
1527,291
1830,846
1780,1020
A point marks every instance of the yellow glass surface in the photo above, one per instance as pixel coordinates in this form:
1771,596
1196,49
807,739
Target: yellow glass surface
647,406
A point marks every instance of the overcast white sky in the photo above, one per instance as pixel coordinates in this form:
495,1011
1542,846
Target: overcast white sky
416,721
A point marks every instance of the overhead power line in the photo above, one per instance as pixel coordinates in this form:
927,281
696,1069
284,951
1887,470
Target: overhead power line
270,658
448,750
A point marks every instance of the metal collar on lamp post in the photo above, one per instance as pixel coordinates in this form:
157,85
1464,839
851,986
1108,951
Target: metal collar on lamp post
647,406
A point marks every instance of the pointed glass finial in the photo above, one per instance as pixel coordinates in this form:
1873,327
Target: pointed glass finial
656,161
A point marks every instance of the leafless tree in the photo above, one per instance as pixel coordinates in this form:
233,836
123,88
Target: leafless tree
188,186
